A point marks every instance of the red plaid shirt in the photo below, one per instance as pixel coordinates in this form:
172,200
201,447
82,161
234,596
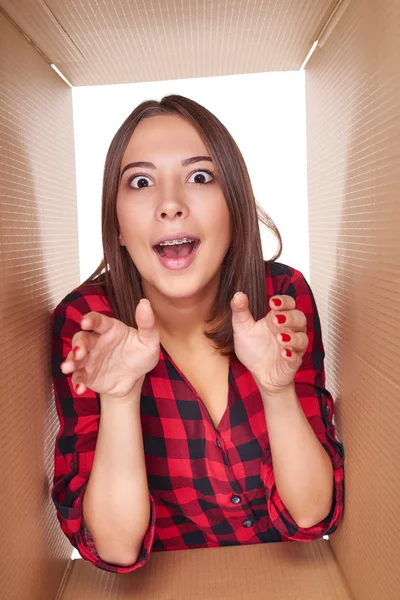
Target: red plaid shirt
222,490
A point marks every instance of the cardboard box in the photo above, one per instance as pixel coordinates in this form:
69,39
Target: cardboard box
353,127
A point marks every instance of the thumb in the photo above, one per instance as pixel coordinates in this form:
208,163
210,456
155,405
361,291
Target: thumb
146,322
242,319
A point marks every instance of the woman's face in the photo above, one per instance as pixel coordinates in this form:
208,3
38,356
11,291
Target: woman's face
168,197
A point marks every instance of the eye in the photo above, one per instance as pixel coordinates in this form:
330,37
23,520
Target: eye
200,175
141,181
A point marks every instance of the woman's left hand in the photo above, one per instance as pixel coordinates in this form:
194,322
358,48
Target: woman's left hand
259,345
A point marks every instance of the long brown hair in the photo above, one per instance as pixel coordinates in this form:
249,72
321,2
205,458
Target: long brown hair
243,266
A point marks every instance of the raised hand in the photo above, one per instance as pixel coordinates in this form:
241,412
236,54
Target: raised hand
260,346
114,357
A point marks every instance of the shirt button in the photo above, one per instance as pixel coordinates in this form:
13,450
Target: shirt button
248,523
236,499
219,444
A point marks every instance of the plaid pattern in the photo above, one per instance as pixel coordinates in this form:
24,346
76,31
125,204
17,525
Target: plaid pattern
208,486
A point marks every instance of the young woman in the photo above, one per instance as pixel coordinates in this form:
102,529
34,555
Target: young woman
190,415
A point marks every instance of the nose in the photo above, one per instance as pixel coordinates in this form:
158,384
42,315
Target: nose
172,206
171,214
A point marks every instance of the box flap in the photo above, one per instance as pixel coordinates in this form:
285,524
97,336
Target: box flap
39,263
353,133
98,43
279,571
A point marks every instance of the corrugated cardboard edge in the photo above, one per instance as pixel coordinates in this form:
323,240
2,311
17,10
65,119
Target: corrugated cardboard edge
65,578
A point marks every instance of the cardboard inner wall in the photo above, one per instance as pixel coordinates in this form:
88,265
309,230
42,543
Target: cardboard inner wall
281,571
353,132
99,43
38,261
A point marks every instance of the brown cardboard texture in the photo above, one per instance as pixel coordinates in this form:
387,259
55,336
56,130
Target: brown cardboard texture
353,147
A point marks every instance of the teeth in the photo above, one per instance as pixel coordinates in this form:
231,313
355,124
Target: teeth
173,242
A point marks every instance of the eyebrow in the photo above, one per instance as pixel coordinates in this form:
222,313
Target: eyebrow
149,165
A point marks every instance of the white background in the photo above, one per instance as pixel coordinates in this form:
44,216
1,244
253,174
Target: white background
264,112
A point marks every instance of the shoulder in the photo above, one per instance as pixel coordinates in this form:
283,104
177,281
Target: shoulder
83,299
284,279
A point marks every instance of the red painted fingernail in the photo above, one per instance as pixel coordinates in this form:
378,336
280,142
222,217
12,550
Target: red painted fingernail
75,351
281,319
78,385
277,302
288,353
285,337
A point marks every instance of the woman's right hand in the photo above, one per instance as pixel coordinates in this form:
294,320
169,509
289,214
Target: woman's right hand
115,357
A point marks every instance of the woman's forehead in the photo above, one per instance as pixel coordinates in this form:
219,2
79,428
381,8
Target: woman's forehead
164,135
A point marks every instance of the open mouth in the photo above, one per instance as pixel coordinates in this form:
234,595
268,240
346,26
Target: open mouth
177,250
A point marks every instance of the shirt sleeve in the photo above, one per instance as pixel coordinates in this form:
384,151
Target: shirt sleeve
318,406
79,417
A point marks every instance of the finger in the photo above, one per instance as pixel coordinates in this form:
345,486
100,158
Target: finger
97,322
83,342
282,302
79,379
294,359
296,342
241,316
71,364
294,319
146,323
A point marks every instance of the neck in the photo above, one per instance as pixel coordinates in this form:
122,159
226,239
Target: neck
182,320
